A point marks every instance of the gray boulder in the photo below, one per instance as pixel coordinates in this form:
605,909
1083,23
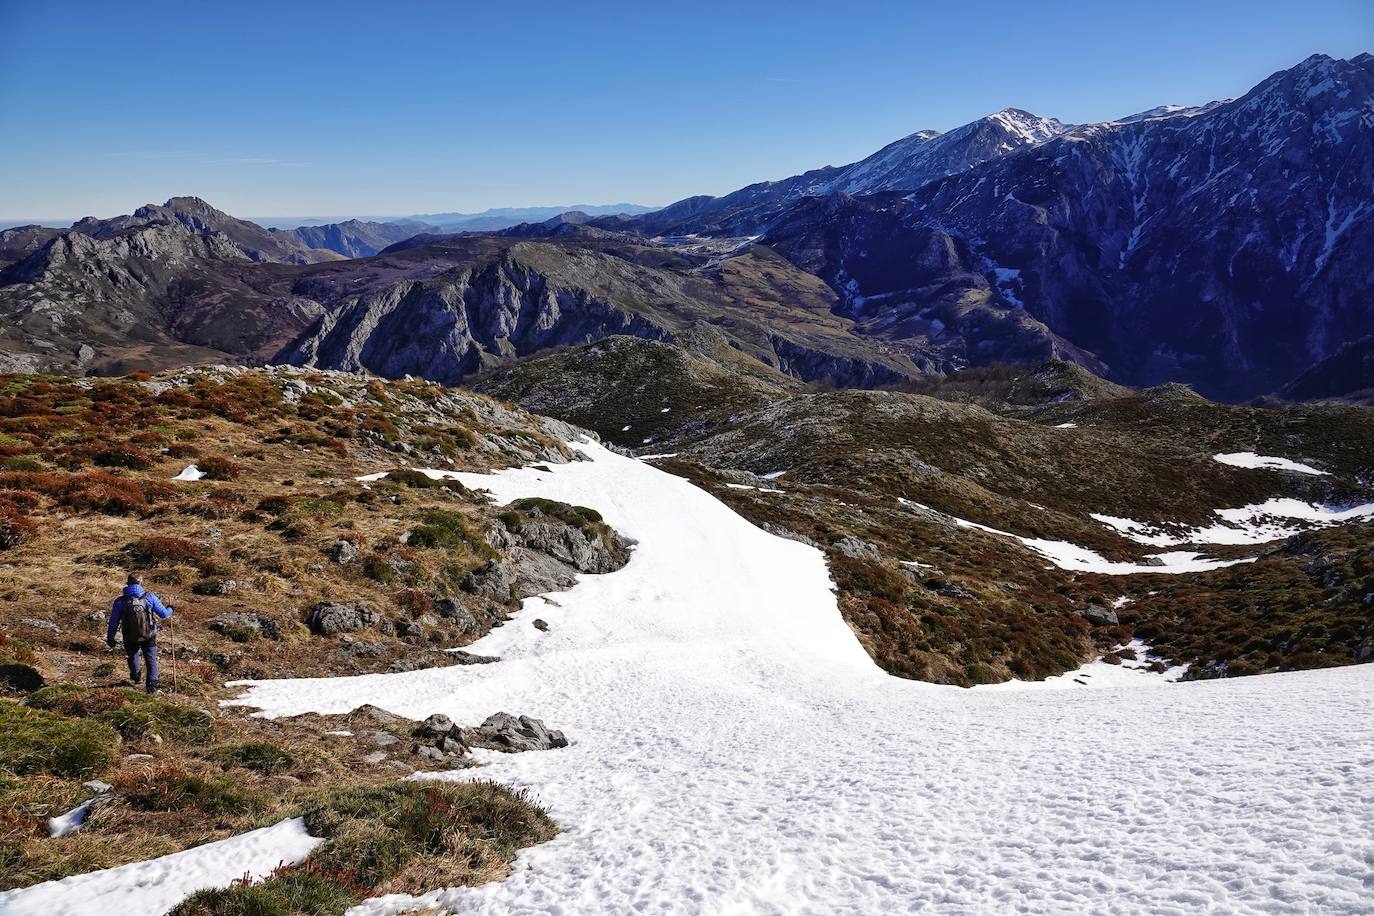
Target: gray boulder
343,552
241,626
468,621
1099,616
328,619
581,548
512,734
437,725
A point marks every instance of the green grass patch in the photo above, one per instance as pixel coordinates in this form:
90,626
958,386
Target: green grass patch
577,516
259,756
131,713
39,741
404,838
292,893
174,788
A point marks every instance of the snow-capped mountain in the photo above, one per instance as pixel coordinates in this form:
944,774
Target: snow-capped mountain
902,165
1227,247
922,157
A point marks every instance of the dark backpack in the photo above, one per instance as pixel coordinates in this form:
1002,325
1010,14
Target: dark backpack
136,620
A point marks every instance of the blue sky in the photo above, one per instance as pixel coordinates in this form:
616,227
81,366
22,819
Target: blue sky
295,109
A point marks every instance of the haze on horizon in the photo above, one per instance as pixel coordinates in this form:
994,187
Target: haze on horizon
281,112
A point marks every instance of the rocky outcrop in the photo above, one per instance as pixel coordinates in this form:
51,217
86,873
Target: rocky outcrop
438,739
514,734
446,329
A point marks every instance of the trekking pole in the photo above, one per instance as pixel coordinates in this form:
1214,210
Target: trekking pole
172,647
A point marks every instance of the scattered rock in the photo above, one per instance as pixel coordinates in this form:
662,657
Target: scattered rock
221,587
381,739
375,757
427,752
1099,616
380,716
856,549
471,658
437,725
419,661
329,619
511,734
242,626
35,624
366,648
343,552
468,621
541,625
96,786
947,589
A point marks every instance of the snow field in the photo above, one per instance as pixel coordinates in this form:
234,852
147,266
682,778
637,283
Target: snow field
736,751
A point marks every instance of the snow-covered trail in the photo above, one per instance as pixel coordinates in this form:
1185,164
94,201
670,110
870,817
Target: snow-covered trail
736,751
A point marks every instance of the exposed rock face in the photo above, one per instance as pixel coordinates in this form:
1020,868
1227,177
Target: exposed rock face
493,581
356,238
449,328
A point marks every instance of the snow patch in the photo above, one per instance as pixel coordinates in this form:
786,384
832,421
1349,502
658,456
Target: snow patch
1098,674
1081,559
190,472
1251,460
157,885
1259,523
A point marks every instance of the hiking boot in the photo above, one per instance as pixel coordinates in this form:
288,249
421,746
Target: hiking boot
152,688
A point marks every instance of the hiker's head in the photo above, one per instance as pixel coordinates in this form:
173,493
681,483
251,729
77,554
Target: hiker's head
135,578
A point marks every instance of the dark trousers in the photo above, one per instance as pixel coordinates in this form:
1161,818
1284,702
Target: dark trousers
140,653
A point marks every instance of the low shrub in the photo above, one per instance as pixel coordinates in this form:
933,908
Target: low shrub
410,837
151,551
259,756
443,528
378,568
291,892
38,741
577,516
15,528
217,467
172,787
122,456
131,713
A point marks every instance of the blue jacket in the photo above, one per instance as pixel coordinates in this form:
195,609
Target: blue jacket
135,591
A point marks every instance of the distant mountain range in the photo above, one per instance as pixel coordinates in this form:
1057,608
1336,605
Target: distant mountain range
1229,246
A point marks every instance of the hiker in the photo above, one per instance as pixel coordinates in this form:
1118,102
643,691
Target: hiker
135,615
